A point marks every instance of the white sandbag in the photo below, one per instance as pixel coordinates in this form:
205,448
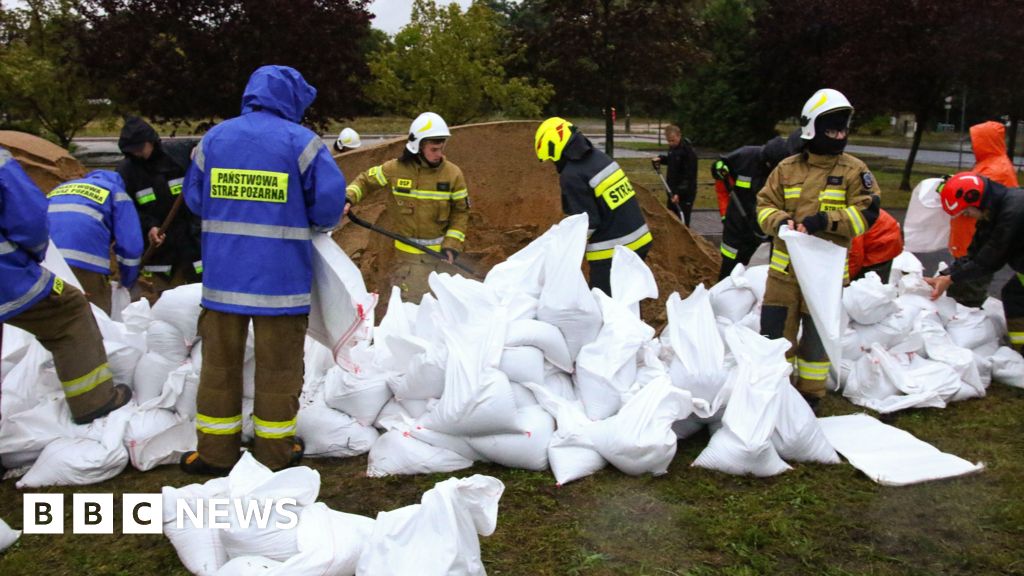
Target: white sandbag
247,566
162,447
639,439
330,542
150,374
84,460
888,455
529,332
461,300
699,363
559,383
123,359
1008,367
199,548
120,298
565,300
523,396
522,364
165,339
439,536
7,536
733,297
868,301
993,308
423,375
571,452
939,346
180,307
631,280
526,450
926,224
886,334
137,316
818,265
186,379
341,309
245,536
29,381
524,270
971,328
798,436
757,276
396,452
904,264
329,433
361,396
32,430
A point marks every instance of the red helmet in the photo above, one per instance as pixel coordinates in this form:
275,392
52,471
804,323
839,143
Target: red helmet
962,191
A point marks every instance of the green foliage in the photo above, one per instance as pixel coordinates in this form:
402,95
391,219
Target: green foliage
42,82
451,63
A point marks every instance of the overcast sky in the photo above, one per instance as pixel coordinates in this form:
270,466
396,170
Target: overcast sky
391,15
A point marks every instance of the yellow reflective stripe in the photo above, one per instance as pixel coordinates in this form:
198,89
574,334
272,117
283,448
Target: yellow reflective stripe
460,194
833,194
606,254
354,191
458,235
219,426
813,370
779,261
764,213
413,250
792,192
727,251
270,429
743,182
378,173
424,194
856,220
1017,338
83,384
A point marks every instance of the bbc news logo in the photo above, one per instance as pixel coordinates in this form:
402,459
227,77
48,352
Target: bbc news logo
144,513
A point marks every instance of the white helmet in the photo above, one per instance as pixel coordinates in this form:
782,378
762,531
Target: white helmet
426,126
824,101
348,138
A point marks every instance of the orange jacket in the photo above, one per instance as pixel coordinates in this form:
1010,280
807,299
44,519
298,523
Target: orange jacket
881,243
988,140
723,197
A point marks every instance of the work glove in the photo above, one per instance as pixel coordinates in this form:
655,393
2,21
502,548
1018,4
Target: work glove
720,170
815,223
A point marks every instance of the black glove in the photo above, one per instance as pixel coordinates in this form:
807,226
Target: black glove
815,223
720,170
450,253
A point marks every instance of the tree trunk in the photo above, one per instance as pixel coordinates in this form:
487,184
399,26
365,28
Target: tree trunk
922,120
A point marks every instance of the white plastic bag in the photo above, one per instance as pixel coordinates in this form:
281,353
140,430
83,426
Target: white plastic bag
341,310
329,433
361,396
7,536
699,363
868,301
733,297
180,307
926,224
396,452
818,265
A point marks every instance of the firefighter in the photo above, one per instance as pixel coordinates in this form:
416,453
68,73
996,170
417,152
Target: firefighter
260,182
998,241
681,177
823,192
55,312
745,170
85,217
429,203
347,140
594,184
153,172
988,141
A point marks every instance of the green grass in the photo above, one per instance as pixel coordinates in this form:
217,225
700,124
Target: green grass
814,519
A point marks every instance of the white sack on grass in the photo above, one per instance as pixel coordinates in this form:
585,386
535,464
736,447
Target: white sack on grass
332,434
523,272
993,308
522,364
888,455
818,265
329,542
461,300
199,549
559,383
1008,367
757,276
166,340
639,439
396,452
423,376
93,458
247,566
162,447
798,436
180,307
361,396
526,450
565,300
439,536
939,346
733,297
886,384
571,452
523,396
7,536
971,328
150,375
137,316
699,360
185,379
631,280
30,431
529,332
868,301
28,382
341,310
123,359
926,224
905,264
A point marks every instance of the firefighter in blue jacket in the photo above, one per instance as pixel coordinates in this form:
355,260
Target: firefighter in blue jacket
261,183
85,216
56,313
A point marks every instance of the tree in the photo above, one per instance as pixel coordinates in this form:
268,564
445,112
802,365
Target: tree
186,59
40,75
452,63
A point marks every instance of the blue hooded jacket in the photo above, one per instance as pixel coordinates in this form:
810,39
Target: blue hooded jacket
23,240
261,182
87,214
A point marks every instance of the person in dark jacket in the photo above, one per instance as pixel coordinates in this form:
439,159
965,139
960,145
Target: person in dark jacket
153,172
681,163
261,183
998,241
594,184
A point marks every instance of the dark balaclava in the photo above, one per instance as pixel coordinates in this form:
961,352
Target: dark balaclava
822,144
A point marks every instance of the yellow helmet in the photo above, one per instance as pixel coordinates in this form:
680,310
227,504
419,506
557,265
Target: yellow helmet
552,136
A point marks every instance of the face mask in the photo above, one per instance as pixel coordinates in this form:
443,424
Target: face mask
826,146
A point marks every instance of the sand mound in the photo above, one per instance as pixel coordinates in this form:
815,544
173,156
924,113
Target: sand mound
46,163
514,200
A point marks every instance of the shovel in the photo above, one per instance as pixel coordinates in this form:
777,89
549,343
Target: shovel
394,236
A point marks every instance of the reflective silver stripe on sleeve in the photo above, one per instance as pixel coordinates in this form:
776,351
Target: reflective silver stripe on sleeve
122,197
7,247
428,241
78,209
600,176
69,254
162,269
307,156
256,300
4,156
41,247
198,158
620,241
143,193
257,230
175,182
27,297
129,261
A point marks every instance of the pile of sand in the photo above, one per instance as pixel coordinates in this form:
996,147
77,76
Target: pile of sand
46,163
514,199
